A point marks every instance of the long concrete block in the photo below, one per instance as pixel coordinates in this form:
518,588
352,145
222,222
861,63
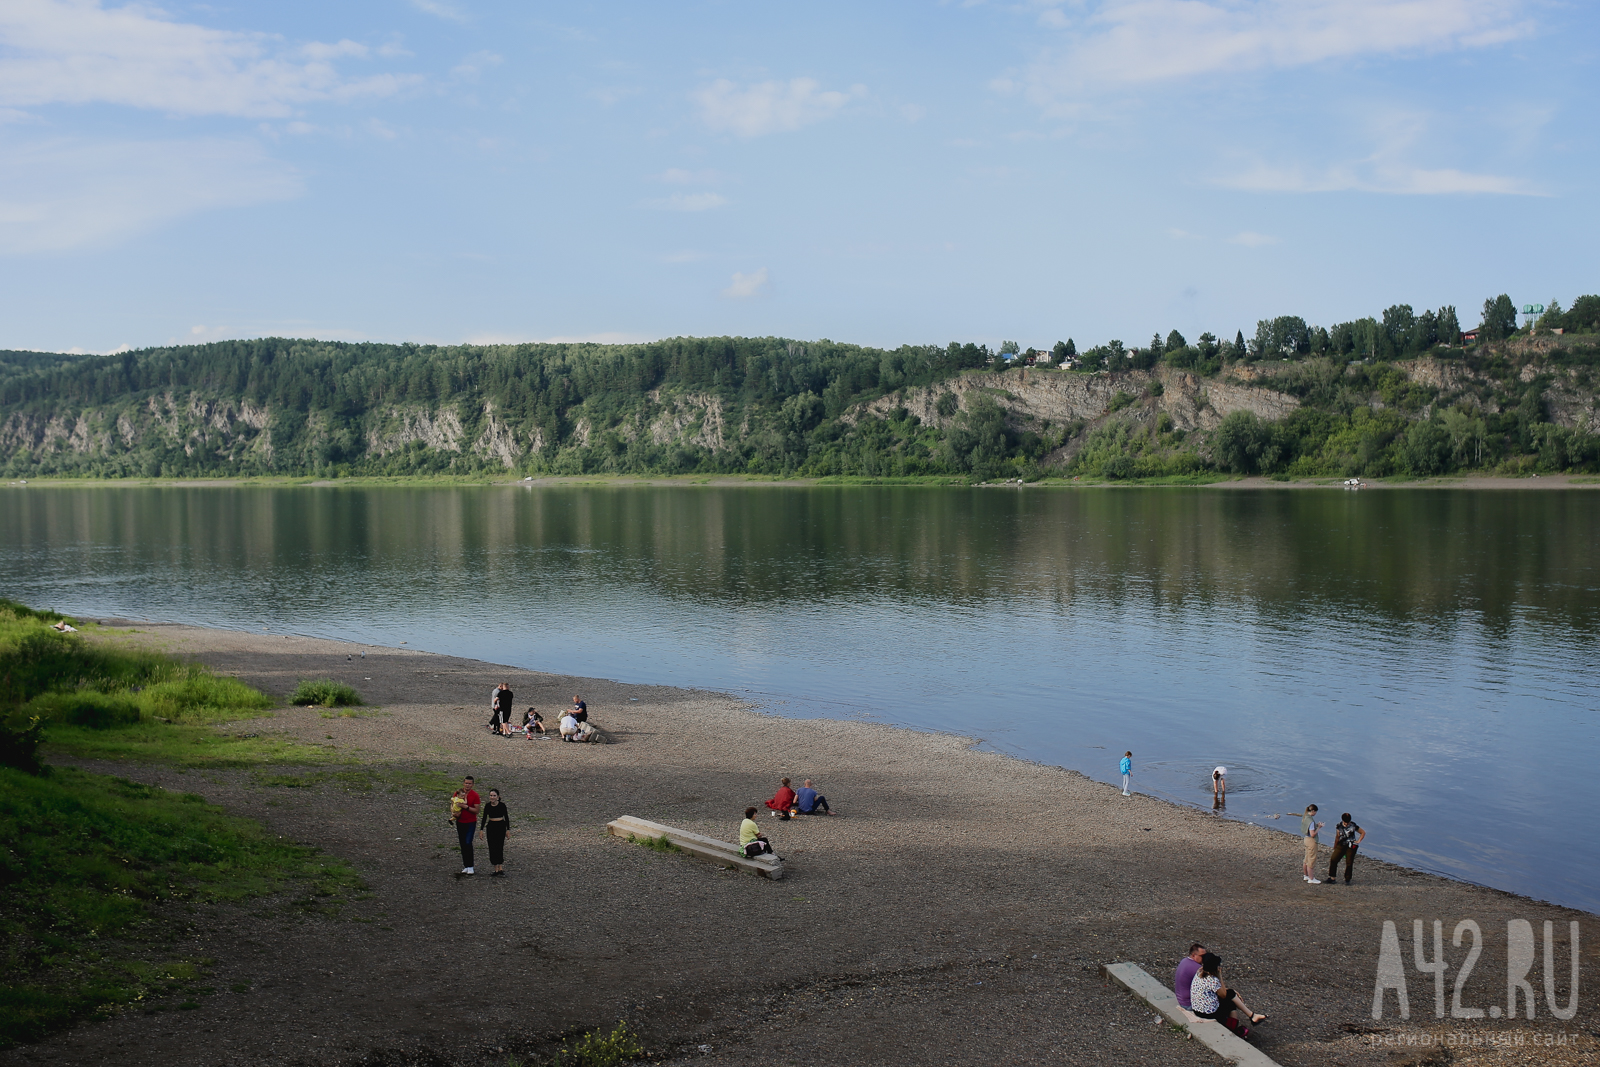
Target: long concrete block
699,845
1209,1032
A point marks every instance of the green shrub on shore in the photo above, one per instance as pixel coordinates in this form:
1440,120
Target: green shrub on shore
325,692
116,850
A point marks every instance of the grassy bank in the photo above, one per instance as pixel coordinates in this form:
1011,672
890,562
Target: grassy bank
97,869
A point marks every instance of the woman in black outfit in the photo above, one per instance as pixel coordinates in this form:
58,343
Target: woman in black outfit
496,823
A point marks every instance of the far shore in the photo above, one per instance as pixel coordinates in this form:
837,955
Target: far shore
956,912
725,481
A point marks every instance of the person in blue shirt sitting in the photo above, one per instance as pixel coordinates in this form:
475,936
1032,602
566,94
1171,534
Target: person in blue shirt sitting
809,802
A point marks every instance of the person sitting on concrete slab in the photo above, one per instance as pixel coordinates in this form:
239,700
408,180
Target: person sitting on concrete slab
807,801
782,802
1183,978
1210,998
751,839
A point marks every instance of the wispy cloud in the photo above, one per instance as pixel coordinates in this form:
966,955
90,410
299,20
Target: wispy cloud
439,9
746,286
472,67
1251,239
688,202
1121,43
78,52
1412,181
678,176
769,107
64,194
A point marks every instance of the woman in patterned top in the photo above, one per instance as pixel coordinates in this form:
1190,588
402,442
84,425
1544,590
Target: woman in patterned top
1211,998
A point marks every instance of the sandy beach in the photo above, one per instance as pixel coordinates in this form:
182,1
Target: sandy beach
956,912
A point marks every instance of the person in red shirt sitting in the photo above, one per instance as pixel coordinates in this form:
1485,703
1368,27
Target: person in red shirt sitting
464,804
783,802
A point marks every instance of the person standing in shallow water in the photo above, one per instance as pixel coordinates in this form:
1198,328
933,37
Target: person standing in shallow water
496,828
464,805
1126,767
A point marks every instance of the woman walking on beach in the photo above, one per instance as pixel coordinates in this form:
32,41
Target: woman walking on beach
496,828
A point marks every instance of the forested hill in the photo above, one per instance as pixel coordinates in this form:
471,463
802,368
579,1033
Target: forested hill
1368,398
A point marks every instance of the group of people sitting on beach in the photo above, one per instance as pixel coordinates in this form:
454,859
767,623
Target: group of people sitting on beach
574,724
1202,992
786,803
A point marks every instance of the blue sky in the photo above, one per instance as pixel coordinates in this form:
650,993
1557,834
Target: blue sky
465,170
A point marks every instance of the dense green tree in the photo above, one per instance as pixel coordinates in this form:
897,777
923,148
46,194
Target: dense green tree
1175,340
1499,319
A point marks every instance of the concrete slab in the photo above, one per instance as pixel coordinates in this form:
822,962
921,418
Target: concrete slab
1212,1034
725,852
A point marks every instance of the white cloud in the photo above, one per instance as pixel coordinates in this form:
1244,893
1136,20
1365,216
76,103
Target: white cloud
78,52
1132,42
1367,178
440,10
688,202
1251,239
472,67
769,107
746,286
1183,235
66,194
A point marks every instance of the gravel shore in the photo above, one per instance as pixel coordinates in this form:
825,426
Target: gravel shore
957,911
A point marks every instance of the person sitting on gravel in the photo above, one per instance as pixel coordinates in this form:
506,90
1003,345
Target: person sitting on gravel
783,801
807,801
532,722
751,839
569,726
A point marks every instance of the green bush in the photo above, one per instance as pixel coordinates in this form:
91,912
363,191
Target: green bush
325,692
19,743
86,707
595,1049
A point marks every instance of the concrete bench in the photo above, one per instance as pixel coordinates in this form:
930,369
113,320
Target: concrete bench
724,852
1218,1038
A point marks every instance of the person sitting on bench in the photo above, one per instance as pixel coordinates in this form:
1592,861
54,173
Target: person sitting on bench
783,801
808,801
1210,998
751,839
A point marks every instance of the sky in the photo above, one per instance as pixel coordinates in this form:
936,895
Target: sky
446,171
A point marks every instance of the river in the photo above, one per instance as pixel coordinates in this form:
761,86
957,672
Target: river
1421,658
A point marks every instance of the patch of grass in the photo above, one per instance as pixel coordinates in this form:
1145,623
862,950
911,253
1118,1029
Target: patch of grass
326,693
595,1049
89,856
366,779
655,844
182,746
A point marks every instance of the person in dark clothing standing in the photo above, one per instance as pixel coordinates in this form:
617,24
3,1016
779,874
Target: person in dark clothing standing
464,805
500,723
496,828
1347,837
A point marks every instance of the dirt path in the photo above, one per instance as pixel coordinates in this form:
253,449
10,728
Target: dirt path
957,912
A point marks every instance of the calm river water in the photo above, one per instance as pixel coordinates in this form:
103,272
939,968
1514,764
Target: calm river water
1422,658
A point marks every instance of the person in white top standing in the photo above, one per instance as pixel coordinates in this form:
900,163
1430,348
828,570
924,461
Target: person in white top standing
1219,787
1310,828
